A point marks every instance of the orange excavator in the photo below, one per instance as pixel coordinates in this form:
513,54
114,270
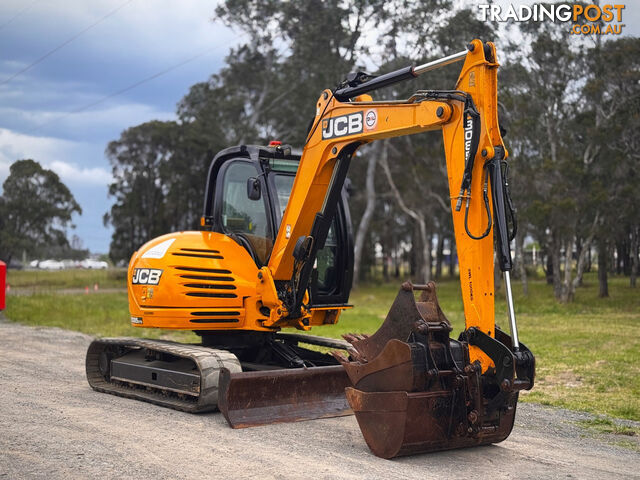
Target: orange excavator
275,251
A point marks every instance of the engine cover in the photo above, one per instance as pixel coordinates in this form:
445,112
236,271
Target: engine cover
194,281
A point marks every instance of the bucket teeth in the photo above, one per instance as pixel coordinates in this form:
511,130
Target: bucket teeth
341,357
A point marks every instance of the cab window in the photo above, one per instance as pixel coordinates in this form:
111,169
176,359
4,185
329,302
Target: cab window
240,214
327,259
284,184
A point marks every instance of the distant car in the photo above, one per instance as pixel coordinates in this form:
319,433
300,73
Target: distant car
71,263
51,265
94,264
15,265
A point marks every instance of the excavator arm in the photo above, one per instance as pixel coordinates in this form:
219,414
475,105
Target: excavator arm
474,151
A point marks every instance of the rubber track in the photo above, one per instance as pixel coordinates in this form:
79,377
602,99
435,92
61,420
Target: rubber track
208,360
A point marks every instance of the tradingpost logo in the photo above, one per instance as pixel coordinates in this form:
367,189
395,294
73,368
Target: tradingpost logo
583,19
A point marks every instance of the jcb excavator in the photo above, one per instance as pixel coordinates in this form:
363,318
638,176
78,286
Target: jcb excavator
275,251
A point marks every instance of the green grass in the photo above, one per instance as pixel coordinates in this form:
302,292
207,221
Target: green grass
102,314
587,352
615,432
42,280
606,425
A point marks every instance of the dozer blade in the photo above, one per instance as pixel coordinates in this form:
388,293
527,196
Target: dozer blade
414,389
249,399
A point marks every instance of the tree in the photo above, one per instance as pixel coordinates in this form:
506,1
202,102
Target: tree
551,152
414,166
139,161
159,171
613,94
574,146
367,215
35,210
296,49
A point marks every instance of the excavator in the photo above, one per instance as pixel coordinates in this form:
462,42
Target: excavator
275,253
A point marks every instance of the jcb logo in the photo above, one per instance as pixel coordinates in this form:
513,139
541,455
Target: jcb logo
146,276
342,125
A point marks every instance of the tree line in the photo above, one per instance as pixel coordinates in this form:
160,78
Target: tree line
570,105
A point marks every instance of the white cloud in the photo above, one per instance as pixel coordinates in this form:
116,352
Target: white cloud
71,173
36,90
54,154
141,39
116,116
4,169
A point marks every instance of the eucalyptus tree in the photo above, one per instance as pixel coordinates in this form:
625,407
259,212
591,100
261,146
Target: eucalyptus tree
36,209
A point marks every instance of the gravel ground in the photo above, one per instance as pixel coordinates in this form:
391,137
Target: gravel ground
52,425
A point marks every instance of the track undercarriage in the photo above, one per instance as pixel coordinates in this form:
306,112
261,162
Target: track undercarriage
269,374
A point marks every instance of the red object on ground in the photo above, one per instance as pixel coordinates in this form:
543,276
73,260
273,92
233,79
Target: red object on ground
3,281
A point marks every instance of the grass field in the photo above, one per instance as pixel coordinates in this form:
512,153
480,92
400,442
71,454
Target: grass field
43,280
587,353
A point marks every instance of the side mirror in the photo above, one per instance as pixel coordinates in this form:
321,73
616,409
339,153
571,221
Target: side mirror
253,188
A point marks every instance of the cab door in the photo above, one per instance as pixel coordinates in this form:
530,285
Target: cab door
333,273
246,220
332,276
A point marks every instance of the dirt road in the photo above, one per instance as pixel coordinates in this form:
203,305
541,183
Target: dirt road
52,425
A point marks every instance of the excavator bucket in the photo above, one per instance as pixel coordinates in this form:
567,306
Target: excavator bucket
414,389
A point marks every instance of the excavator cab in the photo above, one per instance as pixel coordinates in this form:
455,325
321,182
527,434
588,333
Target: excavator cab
247,193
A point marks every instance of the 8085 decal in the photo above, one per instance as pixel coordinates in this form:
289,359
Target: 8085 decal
146,276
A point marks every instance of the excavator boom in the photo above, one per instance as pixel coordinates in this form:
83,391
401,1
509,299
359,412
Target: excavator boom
474,151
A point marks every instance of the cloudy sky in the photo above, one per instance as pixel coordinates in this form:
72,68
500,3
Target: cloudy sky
138,40
114,44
